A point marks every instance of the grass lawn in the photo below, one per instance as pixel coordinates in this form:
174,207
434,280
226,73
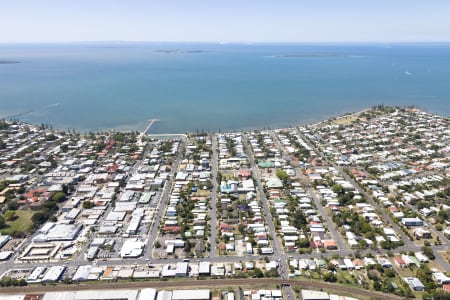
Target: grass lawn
445,255
346,278
228,176
432,264
347,120
21,224
202,193
406,272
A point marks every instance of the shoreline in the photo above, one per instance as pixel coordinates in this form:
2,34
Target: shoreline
148,132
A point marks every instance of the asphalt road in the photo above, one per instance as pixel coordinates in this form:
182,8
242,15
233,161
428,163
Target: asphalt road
213,223
163,200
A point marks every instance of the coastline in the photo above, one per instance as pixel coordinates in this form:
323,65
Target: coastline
147,130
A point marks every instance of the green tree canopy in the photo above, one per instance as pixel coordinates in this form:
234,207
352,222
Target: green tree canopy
88,204
39,218
9,215
282,175
59,197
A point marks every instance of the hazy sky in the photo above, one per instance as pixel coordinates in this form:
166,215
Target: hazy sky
225,20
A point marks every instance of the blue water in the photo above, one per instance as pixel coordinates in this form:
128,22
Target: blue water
220,87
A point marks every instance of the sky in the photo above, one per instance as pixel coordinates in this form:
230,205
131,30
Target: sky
225,20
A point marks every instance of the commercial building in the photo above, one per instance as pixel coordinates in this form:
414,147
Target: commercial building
132,248
199,294
181,269
82,273
58,232
204,268
147,294
53,274
314,295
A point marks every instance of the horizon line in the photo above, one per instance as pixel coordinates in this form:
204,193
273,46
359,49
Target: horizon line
223,42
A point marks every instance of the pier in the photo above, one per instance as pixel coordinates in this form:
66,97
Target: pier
150,124
146,130
162,136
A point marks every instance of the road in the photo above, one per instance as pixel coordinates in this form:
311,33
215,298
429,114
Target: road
163,200
342,246
278,248
214,169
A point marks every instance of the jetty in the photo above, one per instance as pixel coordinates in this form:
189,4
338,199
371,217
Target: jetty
150,124
146,130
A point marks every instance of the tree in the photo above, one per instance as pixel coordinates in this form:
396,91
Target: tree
386,245
330,277
187,247
441,295
39,218
377,285
59,197
299,219
50,205
272,273
13,205
88,204
337,188
428,252
331,267
10,215
258,273
2,222
303,243
282,175
241,229
373,275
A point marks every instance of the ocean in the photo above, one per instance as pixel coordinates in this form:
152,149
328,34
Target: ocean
214,87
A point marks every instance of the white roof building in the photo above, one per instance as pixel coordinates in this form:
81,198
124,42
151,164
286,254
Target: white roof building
114,294
53,274
59,232
147,294
132,248
164,295
182,269
314,295
204,268
82,273
36,274
199,294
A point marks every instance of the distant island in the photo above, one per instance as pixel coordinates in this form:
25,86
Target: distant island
7,62
309,55
180,51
